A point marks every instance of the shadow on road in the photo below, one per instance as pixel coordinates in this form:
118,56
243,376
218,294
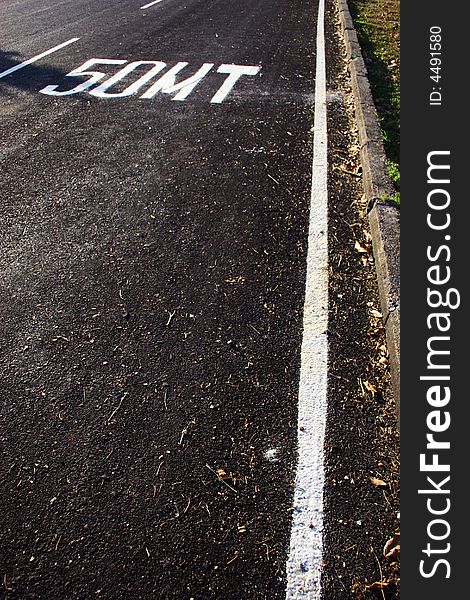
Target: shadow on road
30,78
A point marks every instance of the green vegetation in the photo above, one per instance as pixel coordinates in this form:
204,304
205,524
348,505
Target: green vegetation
394,173
378,28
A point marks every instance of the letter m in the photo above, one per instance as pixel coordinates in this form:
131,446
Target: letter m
432,353
167,83
432,167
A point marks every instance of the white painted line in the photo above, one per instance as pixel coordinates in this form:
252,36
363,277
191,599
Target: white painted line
304,565
35,58
150,4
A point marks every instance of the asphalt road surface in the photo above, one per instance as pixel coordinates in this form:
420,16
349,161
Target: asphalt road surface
153,258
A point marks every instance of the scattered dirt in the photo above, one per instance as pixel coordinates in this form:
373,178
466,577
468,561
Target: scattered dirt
362,460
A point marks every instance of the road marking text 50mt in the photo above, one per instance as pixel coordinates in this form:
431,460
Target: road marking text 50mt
165,84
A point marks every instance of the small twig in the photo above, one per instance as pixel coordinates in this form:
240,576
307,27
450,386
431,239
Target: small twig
220,479
348,172
165,394
339,579
275,180
362,387
5,584
385,497
61,337
233,559
185,431
117,408
267,550
171,315
264,540
155,491
380,571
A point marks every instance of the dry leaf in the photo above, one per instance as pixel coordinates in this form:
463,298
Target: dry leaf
377,585
376,313
360,249
371,387
378,482
225,476
392,547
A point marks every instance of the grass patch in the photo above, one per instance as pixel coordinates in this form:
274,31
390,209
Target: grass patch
378,28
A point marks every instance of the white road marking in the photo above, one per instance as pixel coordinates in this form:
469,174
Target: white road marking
101,90
304,565
166,84
234,73
150,4
35,58
51,90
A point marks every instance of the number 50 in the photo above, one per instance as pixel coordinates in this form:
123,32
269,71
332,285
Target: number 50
96,76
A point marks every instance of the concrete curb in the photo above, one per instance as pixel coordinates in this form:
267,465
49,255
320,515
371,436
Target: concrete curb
384,218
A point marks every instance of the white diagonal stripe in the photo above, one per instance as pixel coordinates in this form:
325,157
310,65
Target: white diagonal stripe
35,58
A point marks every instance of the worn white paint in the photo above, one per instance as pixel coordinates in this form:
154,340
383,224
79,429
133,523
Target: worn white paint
35,58
304,565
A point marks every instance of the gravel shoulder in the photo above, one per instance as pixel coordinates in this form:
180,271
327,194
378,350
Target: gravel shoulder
362,458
